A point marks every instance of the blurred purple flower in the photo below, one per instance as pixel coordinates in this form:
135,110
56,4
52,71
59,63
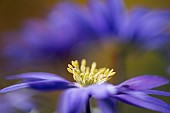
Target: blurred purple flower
91,83
67,25
146,29
20,100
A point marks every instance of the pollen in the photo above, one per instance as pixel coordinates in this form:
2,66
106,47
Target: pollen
85,75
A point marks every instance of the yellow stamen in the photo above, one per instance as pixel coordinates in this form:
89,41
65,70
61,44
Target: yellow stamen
85,76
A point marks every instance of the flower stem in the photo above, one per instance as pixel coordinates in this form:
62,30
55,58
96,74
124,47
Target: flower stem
88,108
121,63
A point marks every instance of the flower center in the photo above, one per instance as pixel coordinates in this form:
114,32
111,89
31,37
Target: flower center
85,76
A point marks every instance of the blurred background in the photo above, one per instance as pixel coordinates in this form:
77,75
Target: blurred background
46,35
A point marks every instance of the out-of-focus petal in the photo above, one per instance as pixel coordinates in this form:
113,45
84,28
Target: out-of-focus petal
144,82
130,24
152,30
78,17
145,101
156,92
14,87
153,21
117,12
107,105
99,13
37,76
73,101
21,100
145,27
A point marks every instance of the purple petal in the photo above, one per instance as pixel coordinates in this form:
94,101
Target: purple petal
156,92
21,100
14,87
37,76
99,13
117,10
42,85
51,85
153,23
152,30
107,105
73,101
130,24
145,101
101,91
144,82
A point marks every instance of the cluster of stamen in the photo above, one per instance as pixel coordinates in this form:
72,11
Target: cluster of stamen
85,76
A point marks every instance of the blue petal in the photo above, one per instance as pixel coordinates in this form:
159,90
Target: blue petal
73,101
43,85
51,85
40,81
130,24
101,91
152,24
72,18
144,101
144,82
107,105
152,30
99,13
117,10
156,92
14,87
37,76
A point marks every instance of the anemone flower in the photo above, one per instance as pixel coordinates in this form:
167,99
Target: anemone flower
65,26
91,83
